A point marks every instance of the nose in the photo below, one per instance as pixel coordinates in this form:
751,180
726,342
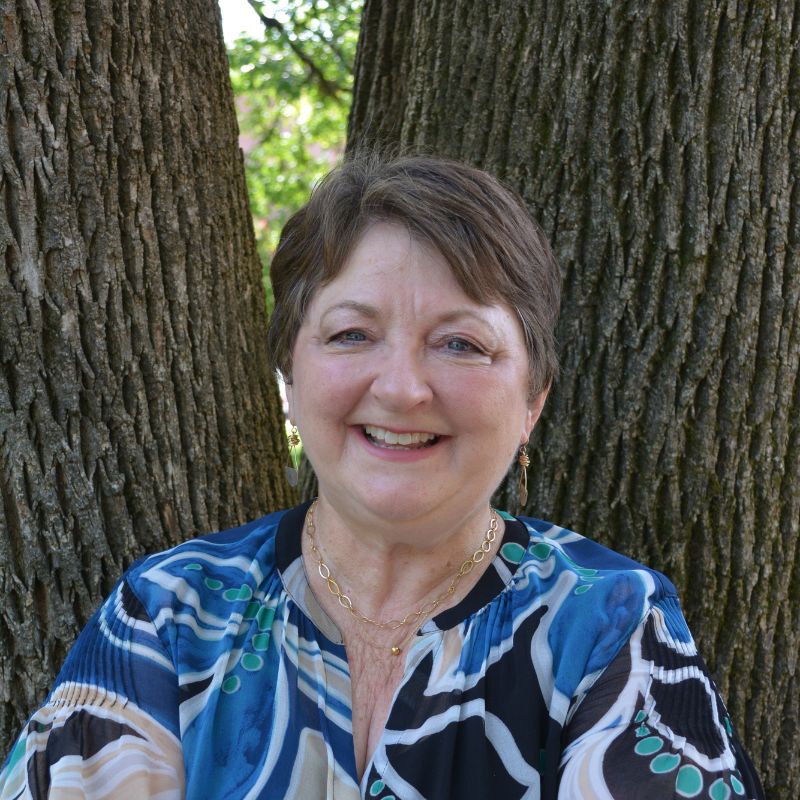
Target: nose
401,381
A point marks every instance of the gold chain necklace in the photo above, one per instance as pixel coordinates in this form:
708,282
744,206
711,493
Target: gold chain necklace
414,616
387,649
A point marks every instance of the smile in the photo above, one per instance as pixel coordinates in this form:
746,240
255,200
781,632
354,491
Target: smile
399,441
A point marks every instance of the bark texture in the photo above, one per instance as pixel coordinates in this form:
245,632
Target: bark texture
136,407
659,146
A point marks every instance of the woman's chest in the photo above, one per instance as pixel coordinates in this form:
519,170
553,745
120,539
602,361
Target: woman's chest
374,682
309,719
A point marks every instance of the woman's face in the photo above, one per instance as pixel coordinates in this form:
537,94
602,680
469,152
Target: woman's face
394,347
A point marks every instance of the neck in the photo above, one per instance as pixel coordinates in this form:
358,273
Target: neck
392,572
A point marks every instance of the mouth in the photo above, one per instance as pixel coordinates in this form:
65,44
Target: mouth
391,440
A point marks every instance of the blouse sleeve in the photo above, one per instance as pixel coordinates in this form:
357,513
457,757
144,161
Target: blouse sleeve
654,721
109,728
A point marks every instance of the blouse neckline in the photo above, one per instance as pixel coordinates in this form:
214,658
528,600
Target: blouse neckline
289,562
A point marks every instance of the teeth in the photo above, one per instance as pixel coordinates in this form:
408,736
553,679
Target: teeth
381,434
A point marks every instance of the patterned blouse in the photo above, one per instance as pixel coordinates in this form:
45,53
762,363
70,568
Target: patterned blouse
211,672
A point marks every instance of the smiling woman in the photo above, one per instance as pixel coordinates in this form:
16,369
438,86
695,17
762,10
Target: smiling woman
397,637
392,348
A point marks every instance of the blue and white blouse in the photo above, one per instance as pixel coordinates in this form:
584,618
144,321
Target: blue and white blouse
212,672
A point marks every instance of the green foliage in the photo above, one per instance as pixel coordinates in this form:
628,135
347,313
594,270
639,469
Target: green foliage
293,90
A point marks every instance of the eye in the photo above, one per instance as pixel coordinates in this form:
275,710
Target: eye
349,337
458,345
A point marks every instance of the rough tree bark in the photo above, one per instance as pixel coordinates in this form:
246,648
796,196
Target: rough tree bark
659,146
136,407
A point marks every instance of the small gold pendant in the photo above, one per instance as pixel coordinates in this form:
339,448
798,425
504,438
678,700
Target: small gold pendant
395,651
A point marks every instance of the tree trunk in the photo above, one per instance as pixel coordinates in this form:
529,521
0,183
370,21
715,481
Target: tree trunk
659,146
136,407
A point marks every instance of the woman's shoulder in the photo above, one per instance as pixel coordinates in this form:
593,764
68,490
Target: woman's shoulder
587,562
593,600
216,571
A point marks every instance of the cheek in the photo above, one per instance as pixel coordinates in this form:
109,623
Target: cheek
495,408
496,395
331,390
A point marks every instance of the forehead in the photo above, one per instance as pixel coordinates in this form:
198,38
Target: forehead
385,248
387,261
393,276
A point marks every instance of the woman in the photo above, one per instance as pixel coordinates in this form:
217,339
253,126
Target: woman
397,638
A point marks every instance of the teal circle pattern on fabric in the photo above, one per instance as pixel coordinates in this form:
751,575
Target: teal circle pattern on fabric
648,746
231,684
265,617
213,583
540,550
512,552
719,790
194,566
252,610
640,716
583,588
376,788
252,662
738,786
689,781
261,642
666,762
244,592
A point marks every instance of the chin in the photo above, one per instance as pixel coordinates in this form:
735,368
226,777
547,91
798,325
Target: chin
398,508
396,503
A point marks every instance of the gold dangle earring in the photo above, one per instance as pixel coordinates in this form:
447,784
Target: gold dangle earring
522,478
293,440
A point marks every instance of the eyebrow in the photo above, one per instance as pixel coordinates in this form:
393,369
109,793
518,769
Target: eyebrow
371,312
352,305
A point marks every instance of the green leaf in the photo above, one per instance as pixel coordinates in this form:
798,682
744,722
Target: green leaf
293,88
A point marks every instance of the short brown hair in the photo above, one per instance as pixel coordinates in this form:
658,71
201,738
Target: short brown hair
498,254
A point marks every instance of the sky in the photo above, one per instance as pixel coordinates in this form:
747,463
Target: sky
238,16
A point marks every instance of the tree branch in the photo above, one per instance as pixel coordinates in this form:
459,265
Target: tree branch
327,87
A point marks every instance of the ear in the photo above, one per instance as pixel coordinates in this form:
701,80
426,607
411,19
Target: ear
533,414
289,389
